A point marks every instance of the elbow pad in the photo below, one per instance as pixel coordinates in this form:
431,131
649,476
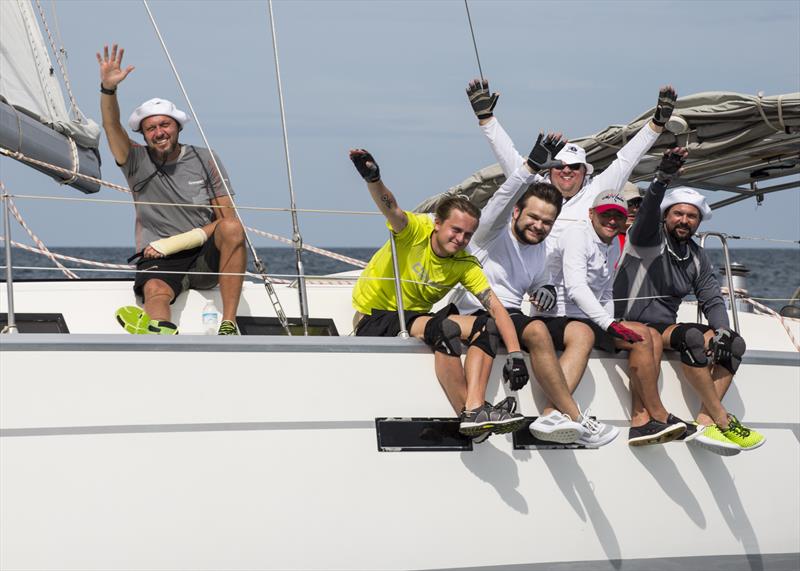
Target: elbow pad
194,238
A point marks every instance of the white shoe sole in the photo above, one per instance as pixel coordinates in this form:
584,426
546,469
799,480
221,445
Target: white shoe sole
716,447
564,435
669,434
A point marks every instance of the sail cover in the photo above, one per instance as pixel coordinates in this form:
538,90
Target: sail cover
734,141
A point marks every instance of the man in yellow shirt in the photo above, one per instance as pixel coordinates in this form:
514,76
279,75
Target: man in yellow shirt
432,260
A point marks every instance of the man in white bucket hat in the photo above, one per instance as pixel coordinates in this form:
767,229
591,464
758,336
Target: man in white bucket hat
194,240
660,267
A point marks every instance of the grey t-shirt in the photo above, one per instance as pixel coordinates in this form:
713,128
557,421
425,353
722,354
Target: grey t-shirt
191,179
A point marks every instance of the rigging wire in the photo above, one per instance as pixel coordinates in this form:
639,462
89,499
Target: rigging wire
297,239
273,297
474,43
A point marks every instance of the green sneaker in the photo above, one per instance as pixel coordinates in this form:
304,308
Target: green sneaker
136,322
745,438
713,440
227,327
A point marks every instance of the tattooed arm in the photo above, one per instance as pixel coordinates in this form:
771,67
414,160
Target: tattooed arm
367,167
504,325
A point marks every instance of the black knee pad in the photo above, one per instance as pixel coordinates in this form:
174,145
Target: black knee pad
443,336
484,335
727,348
689,341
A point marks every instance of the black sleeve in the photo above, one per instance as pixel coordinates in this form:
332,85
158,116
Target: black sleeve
708,293
646,229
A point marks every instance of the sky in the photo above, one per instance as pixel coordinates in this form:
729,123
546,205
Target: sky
389,76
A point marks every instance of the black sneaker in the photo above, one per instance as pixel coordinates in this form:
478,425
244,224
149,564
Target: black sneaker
487,418
691,428
655,432
510,420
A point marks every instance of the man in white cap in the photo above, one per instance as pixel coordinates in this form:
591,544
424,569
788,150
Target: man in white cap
661,266
578,189
192,240
633,201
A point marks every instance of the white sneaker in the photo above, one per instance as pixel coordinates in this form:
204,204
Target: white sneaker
596,433
556,427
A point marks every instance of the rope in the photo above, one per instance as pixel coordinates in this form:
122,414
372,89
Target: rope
68,258
76,112
777,316
474,43
75,161
334,255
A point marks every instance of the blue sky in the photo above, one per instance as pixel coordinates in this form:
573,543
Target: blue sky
390,76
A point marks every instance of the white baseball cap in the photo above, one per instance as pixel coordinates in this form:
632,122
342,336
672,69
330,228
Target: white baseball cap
686,195
631,191
156,106
571,154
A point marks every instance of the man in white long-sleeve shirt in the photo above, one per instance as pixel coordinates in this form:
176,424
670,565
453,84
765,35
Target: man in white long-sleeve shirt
510,245
577,186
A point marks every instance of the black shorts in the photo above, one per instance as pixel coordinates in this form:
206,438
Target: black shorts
520,321
557,325
202,259
385,323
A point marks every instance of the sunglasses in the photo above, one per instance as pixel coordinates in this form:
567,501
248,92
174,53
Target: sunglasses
573,166
634,203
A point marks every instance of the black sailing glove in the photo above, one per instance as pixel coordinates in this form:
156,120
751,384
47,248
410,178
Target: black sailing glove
544,298
365,165
481,99
515,371
665,105
671,164
542,155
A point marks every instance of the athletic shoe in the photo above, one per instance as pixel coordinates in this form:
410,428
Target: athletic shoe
655,432
509,420
692,428
556,427
135,321
712,439
509,405
745,438
595,433
228,327
488,418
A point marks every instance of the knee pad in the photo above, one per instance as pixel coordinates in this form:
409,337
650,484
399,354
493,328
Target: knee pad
689,341
484,335
727,348
443,336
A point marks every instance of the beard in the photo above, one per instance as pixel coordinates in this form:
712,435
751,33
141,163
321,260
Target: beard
681,239
160,155
519,232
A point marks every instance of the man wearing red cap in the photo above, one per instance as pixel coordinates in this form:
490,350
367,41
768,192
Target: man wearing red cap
193,240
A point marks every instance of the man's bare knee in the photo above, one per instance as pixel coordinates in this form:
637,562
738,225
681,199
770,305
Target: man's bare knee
157,288
229,230
536,336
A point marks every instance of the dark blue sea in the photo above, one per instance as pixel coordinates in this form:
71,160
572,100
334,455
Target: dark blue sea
774,273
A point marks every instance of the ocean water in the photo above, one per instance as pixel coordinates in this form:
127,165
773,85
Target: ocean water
774,273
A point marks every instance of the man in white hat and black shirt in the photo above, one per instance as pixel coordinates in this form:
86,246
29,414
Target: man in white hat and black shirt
660,267
172,239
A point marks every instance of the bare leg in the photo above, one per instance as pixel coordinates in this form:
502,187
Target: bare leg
547,370
722,381
578,343
702,382
643,374
229,239
157,297
639,414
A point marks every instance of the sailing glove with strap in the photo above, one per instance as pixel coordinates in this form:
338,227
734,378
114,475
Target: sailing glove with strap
542,155
670,164
726,348
515,371
544,298
481,99
665,105
618,330
365,165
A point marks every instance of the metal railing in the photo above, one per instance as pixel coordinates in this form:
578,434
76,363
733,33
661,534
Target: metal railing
723,238
11,326
401,313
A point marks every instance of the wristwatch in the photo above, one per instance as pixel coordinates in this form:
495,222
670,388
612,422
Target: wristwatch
105,91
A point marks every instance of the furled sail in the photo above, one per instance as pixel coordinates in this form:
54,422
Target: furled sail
733,140
33,116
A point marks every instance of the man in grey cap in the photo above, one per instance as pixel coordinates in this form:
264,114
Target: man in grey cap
195,239
660,267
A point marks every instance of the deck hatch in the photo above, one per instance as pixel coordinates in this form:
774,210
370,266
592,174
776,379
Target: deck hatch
37,322
317,327
420,435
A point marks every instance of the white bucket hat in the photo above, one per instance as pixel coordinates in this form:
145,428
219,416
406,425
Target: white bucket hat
571,154
156,106
686,195
630,191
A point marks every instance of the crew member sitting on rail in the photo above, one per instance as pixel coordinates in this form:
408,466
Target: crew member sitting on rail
173,239
510,245
578,189
661,266
431,260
